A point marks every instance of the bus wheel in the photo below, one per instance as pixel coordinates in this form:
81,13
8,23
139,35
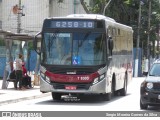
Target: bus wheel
123,91
56,96
113,89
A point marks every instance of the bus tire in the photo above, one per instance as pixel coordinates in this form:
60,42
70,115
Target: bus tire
123,91
56,96
113,88
107,96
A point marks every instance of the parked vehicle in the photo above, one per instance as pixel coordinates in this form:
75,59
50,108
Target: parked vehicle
150,87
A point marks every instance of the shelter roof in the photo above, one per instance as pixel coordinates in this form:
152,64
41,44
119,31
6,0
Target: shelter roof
16,36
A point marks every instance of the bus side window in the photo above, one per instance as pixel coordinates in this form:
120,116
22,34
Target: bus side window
110,41
110,45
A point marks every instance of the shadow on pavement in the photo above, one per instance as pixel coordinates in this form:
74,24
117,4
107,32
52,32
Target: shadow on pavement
85,99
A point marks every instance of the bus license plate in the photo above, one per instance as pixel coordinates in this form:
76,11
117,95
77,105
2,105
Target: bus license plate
70,87
159,97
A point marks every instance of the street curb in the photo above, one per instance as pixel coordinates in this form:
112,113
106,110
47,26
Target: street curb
23,99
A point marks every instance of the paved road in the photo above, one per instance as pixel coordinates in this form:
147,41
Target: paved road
130,102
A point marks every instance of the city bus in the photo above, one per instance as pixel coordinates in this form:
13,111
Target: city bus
84,54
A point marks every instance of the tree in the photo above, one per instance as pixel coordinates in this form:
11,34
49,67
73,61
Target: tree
117,9
126,12
2,43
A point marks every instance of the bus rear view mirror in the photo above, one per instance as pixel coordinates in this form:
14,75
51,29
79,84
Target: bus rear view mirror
145,74
36,43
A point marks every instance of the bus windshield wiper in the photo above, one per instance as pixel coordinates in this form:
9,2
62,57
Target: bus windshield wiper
84,39
52,37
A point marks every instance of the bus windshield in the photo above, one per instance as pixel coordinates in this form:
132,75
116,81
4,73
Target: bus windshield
73,48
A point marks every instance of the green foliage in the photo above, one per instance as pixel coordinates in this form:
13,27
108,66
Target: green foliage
2,43
97,6
128,2
60,1
30,46
127,12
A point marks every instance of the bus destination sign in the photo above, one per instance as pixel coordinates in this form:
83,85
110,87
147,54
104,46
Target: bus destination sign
72,24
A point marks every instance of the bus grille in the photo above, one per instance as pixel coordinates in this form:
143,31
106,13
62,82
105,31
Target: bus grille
79,86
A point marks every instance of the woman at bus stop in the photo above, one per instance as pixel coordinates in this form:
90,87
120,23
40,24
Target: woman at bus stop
18,68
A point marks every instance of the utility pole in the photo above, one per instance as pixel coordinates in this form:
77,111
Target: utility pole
19,17
74,3
158,36
148,37
138,39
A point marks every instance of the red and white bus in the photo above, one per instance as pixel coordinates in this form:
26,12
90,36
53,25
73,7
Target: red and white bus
85,54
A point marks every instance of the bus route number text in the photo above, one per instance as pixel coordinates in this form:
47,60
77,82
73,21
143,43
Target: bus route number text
72,24
83,78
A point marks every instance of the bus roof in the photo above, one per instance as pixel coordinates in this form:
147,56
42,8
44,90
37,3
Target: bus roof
84,16
92,16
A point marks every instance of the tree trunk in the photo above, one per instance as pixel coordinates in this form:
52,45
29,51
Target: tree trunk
4,85
84,6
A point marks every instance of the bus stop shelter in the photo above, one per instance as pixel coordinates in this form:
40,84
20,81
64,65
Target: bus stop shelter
16,43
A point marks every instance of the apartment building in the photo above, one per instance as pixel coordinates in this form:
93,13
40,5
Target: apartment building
34,12
65,8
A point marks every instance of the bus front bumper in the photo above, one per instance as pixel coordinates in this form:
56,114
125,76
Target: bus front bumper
97,88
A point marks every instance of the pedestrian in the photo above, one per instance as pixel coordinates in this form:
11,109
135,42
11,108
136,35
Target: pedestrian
18,69
26,81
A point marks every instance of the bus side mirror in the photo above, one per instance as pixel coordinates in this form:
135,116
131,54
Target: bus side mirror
110,45
145,74
36,43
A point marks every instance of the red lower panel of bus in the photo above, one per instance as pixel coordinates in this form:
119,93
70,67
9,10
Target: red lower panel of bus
71,78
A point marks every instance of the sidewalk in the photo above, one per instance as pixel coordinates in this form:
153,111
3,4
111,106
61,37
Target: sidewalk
10,95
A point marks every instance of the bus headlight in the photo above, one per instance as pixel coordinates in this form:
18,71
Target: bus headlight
149,85
42,75
95,81
102,77
48,79
98,79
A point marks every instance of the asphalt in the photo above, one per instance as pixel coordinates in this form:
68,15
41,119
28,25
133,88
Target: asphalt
10,95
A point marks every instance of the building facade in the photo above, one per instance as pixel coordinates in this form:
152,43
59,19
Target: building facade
33,12
29,19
